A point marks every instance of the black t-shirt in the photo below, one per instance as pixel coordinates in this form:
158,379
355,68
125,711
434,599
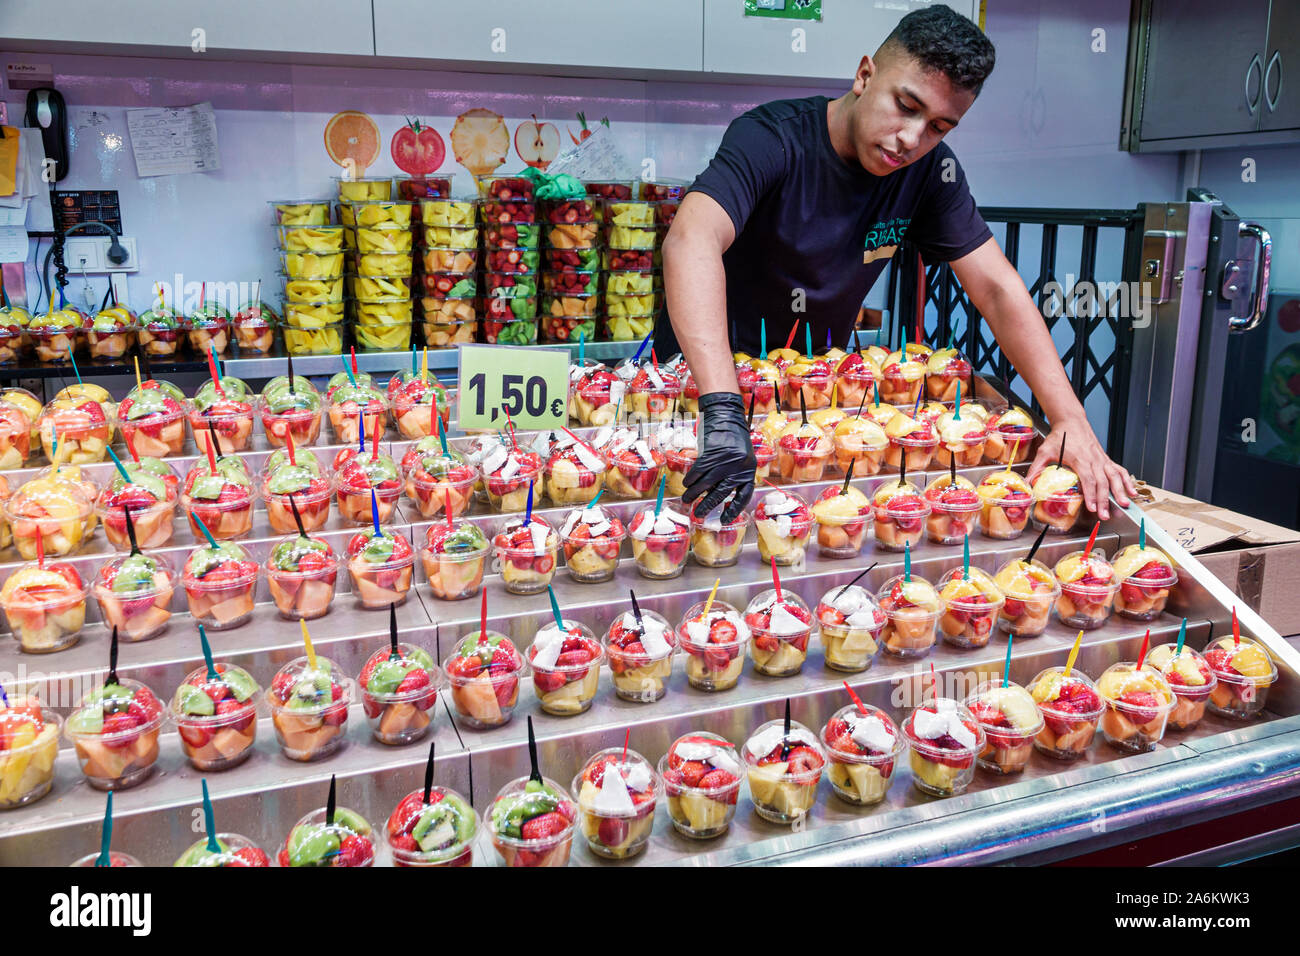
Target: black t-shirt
807,220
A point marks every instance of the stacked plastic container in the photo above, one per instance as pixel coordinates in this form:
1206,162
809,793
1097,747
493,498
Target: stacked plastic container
511,260
377,233
447,286
311,265
570,279
629,279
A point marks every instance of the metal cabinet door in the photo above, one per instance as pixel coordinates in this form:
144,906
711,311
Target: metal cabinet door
1280,106
830,49
664,35
1205,65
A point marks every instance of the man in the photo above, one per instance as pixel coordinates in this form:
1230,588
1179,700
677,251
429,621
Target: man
797,215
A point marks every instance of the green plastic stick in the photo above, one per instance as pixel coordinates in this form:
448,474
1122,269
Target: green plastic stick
965,557
1142,534
1182,637
106,835
582,349
209,821
659,500
1006,668
762,338
73,359
807,338
442,435
204,528
207,654
956,411
555,609
907,561
121,469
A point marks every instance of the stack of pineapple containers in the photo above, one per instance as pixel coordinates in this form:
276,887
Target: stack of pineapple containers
511,260
377,233
311,265
630,280
570,278
446,258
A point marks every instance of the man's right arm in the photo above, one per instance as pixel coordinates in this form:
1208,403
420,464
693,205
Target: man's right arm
696,288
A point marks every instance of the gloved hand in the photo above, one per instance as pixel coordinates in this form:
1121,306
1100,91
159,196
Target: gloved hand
726,462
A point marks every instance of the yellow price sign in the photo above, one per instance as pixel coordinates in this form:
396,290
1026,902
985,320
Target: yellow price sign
531,384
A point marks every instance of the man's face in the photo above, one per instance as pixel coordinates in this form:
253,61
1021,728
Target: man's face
901,112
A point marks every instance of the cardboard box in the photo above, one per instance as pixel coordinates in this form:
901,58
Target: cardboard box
1259,561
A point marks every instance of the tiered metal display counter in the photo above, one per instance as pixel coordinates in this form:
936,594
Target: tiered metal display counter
1051,811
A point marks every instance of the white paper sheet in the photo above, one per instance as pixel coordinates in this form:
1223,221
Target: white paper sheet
174,140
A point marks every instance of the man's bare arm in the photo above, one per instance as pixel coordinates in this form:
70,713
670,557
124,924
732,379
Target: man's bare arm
998,292
696,288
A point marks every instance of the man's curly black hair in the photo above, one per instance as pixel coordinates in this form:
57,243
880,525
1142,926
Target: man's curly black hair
941,39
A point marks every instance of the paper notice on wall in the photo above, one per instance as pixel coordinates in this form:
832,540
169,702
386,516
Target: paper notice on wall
13,244
596,157
174,140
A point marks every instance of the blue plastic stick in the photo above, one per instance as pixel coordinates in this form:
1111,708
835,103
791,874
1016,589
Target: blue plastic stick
209,821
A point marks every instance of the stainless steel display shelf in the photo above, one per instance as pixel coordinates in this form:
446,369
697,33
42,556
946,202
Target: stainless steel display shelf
1047,812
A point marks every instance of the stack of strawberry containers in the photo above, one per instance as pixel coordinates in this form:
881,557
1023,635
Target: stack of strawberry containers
377,232
311,265
570,291
628,263
447,240
511,260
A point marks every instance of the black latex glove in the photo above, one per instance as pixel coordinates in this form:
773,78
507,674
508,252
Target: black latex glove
726,462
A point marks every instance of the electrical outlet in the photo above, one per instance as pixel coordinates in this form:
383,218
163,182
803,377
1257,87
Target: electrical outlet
90,254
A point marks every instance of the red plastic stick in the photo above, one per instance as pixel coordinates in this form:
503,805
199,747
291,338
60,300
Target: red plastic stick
1236,629
793,329
374,446
1142,653
862,708
130,446
1092,539
446,500
353,350
482,616
776,581
288,439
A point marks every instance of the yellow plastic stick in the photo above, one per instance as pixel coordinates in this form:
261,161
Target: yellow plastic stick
306,642
136,360
1074,656
709,603
424,366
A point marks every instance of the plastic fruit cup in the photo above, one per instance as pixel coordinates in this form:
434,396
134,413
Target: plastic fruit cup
43,625
1006,750
968,453
325,339
313,508
897,389
567,689
815,386
1189,699
700,813
778,655
637,676
211,332
375,586
802,465
1026,616
1058,513
221,605
779,795
1002,519
1236,695
53,532
592,563
718,545
1010,445
661,556
910,631
161,435
439,334
1144,598
616,836
866,459
454,576
303,424
840,537
345,419
899,526
788,549
311,733
116,761
861,779
53,343
460,853
919,452
942,771
218,741
550,850
254,334
354,506
27,772
950,523
140,615
1067,730
485,701
712,666
153,525
525,572
397,719
225,520
969,621
1085,607
853,648
572,483
1135,728
511,495
303,596
629,477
